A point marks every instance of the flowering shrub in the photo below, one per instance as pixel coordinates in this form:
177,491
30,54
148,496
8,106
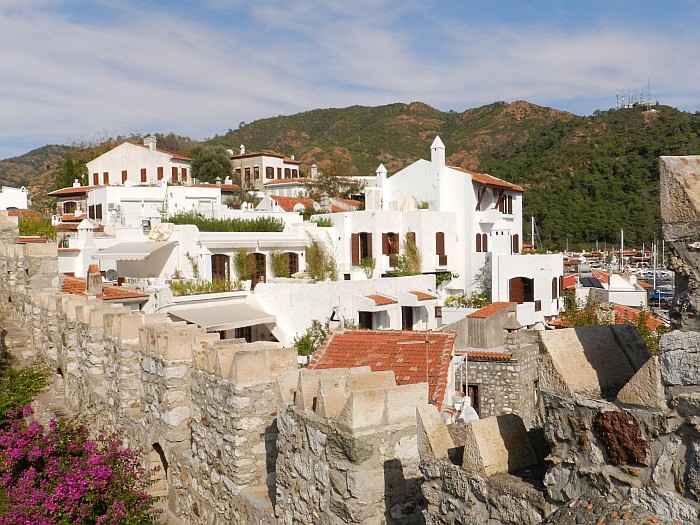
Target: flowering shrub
59,476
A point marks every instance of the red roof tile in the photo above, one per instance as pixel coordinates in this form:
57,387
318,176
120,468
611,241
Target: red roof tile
488,310
422,296
488,180
297,180
645,285
381,300
69,217
31,239
478,355
626,314
288,203
25,213
76,286
79,190
400,351
267,153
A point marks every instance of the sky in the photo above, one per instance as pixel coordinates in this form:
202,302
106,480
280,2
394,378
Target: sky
80,71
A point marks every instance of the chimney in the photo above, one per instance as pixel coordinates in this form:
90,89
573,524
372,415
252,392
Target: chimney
242,149
218,181
437,154
93,285
325,202
314,171
150,142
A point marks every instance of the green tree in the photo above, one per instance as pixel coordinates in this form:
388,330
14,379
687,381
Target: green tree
321,263
67,174
210,162
334,180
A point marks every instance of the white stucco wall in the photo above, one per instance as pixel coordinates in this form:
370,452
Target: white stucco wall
14,198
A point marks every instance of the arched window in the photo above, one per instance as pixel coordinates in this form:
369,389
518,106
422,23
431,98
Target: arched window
555,288
484,242
220,269
478,242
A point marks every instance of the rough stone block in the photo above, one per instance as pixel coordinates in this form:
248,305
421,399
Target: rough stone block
370,380
402,401
127,327
364,411
282,360
332,396
680,358
250,367
287,385
434,440
45,249
175,342
592,360
307,387
498,445
645,387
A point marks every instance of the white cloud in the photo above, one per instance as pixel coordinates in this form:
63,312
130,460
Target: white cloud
141,69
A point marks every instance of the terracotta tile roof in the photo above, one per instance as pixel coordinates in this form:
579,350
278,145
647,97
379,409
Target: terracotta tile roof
31,239
645,285
25,213
73,226
489,180
267,153
422,296
477,355
626,314
222,187
488,310
79,190
381,300
297,180
570,280
400,351
288,203
76,286
350,202
69,250
69,217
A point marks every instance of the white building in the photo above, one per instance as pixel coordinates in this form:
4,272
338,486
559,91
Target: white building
462,222
255,169
139,165
14,198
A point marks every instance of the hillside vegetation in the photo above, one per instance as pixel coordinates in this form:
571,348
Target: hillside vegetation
586,178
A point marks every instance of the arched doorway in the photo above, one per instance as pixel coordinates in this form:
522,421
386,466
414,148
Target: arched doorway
156,458
259,269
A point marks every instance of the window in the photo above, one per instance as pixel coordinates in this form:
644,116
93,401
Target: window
365,320
256,172
502,203
98,212
440,248
516,243
407,318
247,173
509,205
522,290
269,172
555,288
244,333
105,178
220,267
473,394
561,285
390,247
482,242
91,212
95,179
124,176
292,264
160,172
144,176
69,207
361,247
174,177
259,269
287,173
184,174
295,173
279,173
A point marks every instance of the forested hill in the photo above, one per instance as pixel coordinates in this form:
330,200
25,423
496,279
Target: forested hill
586,178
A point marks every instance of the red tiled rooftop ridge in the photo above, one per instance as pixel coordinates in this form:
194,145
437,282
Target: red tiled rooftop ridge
381,300
76,286
489,180
422,296
288,203
401,351
489,309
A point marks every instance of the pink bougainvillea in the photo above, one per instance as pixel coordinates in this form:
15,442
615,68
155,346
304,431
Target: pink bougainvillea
58,475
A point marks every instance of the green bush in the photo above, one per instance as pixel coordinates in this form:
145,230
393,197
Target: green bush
308,342
323,222
202,287
243,263
320,261
279,263
19,387
259,224
37,226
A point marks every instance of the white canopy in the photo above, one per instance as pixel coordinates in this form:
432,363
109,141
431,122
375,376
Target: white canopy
227,316
131,251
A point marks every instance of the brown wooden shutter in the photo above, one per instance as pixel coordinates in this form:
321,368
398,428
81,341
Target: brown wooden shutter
369,245
516,294
385,244
485,243
95,179
144,176
516,243
355,249
174,176
160,172
439,243
124,176
184,174
105,178
478,242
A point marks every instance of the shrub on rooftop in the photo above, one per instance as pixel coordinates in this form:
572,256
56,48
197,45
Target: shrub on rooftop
258,224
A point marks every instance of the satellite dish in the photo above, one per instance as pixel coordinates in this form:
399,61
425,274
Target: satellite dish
111,274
